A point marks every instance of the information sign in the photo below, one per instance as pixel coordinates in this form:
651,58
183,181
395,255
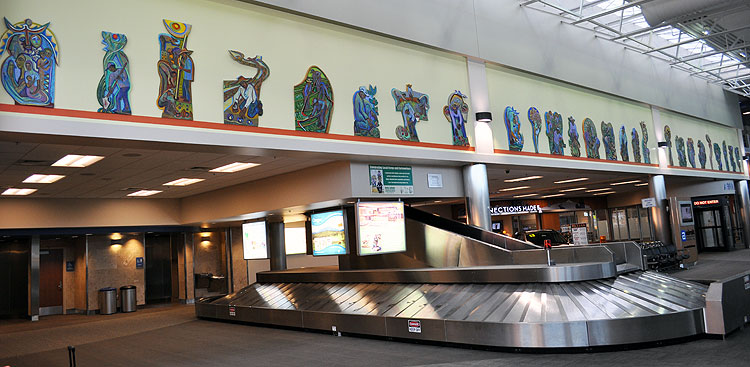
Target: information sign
580,233
415,326
328,233
648,202
391,180
380,228
434,180
139,263
254,240
70,266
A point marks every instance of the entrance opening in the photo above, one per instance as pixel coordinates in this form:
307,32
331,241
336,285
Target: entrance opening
14,276
158,268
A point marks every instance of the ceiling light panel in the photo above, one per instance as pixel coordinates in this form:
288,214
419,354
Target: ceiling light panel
42,179
74,160
572,180
234,167
18,192
642,184
597,190
525,195
523,179
574,189
625,182
142,193
515,188
604,193
552,196
183,181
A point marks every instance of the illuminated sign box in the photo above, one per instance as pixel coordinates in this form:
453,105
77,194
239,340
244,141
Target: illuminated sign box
706,202
381,228
254,241
515,209
328,233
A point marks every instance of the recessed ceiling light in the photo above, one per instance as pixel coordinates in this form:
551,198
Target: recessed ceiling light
604,193
44,179
642,184
144,193
575,189
602,189
18,192
552,196
524,195
234,167
572,180
74,160
523,179
183,181
515,188
624,182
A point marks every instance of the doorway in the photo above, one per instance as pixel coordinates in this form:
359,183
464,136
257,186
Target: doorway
158,268
711,230
50,282
14,276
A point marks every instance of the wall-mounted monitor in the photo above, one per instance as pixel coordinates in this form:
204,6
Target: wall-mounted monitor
254,240
686,213
381,227
295,239
328,233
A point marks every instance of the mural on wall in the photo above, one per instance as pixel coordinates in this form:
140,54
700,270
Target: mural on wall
513,127
413,107
624,144
457,112
536,127
644,144
608,138
554,125
717,153
366,112
691,152
738,158
731,159
590,139
680,147
726,159
113,91
575,146
702,154
668,138
242,105
313,102
176,72
636,145
710,152
28,73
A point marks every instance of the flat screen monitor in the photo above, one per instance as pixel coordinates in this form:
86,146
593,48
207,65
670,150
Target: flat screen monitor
686,213
381,228
328,233
254,240
295,240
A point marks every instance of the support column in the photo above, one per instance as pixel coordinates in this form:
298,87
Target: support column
479,97
477,194
659,215
276,245
34,278
743,197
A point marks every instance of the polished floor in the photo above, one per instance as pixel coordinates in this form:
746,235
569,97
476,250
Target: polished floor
172,336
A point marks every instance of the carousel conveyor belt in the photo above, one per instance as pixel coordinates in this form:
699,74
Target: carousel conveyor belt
636,307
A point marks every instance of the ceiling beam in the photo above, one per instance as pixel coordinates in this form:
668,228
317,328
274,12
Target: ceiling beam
613,10
698,39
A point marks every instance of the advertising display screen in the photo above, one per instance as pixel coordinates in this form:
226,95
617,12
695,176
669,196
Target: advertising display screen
328,233
381,228
254,240
294,240
686,213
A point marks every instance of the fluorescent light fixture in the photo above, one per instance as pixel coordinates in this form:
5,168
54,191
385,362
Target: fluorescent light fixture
18,192
575,189
625,182
42,179
602,189
642,184
74,160
144,193
183,181
524,196
604,193
746,113
552,196
572,180
234,167
515,188
523,179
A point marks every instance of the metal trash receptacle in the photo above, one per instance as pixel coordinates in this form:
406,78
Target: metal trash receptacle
107,301
128,298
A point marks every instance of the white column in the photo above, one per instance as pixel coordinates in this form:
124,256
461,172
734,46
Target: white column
477,194
479,97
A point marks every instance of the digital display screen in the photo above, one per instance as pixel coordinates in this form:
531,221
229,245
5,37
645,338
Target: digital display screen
686,213
381,228
328,233
294,240
254,240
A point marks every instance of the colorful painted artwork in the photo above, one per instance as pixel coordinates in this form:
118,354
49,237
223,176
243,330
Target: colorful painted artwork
366,112
28,74
457,112
731,159
413,107
738,158
710,152
636,145
668,138
717,154
513,127
536,126
313,102
644,144
113,91
242,105
691,152
680,147
554,124
702,154
575,146
608,138
590,139
624,145
176,72
726,159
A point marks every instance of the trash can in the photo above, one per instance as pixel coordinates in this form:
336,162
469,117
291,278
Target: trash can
128,298
107,301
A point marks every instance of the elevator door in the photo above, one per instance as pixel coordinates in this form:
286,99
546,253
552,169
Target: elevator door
50,282
158,268
711,236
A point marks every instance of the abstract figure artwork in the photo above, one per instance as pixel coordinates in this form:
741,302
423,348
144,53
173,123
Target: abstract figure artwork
113,91
731,159
554,124
575,146
710,152
28,74
513,127
680,147
668,138
608,138
413,107
456,112
644,144
624,145
242,105
366,112
738,158
717,154
536,126
590,139
702,154
636,145
691,152
726,159
176,72
313,102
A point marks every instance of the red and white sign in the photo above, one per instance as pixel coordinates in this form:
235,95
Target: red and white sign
705,202
415,326
232,311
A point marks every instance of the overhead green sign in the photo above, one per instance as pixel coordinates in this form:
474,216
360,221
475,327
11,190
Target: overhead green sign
391,180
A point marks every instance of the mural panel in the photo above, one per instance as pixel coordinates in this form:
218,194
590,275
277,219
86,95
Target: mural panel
513,127
575,146
176,72
536,127
456,112
242,105
366,112
413,107
313,102
113,91
28,73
